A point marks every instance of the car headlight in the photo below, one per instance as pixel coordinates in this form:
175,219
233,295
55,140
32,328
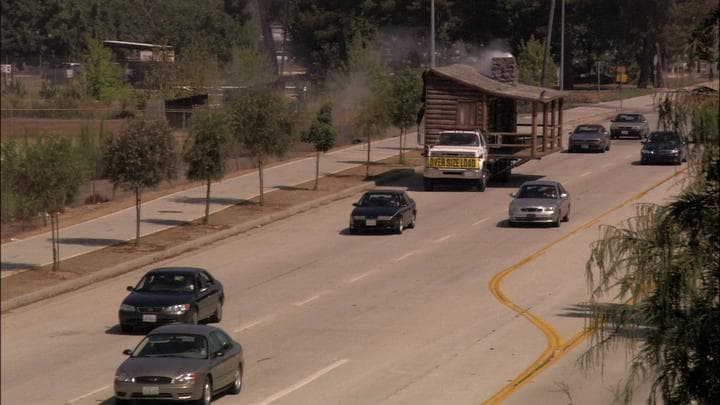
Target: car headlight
127,308
176,309
646,152
122,376
675,151
384,217
549,209
361,217
186,378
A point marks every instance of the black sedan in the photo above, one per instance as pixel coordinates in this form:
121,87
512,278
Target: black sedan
180,363
664,147
589,137
390,210
172,295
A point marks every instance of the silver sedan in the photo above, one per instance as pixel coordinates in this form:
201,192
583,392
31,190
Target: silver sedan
540,202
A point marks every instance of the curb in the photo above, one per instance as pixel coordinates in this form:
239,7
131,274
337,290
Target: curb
110,272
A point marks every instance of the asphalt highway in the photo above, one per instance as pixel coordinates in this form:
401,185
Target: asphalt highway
327,318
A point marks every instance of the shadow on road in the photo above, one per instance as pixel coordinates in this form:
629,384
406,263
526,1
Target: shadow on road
167,222
10,266
213,200
89,241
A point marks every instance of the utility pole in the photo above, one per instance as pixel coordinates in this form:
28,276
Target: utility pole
562,45
432,33
548,38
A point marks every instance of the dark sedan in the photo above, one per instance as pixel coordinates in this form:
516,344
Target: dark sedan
170,295
180,363
589,137
626,124
383,210
664,147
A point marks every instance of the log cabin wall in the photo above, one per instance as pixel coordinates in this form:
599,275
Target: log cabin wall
452,106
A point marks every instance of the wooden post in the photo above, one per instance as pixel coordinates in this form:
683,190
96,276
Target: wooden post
545,127
484,112
553,129
560,123
533,131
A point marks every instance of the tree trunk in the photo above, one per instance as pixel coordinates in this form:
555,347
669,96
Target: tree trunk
317,168
260,173
207,204
645,62
54,243
137,216
402,145
367,166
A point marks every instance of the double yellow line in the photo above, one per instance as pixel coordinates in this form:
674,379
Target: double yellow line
555,348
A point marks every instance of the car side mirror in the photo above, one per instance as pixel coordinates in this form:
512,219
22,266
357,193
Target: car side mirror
513,195
563,195
130,288
127,352
570,133
355,204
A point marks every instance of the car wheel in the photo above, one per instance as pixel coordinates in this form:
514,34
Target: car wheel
607,148
567,215
400,227
217,316
412,221
126,328
428,184
482,183
193,318
236,387
206,396
556,224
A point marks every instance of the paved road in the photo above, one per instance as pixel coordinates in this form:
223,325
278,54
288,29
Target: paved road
329,318
188,205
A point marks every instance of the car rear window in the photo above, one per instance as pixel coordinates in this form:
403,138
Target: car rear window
628,118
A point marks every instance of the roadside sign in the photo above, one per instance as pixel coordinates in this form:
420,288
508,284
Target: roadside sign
620,69
6,69
621,78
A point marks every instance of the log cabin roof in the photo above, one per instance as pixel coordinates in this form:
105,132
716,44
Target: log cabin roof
469,76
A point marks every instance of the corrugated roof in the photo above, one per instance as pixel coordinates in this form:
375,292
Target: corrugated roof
469,76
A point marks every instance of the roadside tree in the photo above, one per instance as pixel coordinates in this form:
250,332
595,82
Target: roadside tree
263,124
663,264
321,135
206,150
530,63
406,99
48,176
103,78
140,156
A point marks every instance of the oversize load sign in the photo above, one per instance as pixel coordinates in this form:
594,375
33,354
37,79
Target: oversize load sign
453,163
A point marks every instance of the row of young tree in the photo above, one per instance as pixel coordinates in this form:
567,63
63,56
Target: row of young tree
45,175
663,266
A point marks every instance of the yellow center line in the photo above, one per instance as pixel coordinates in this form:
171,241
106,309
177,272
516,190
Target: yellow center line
555,348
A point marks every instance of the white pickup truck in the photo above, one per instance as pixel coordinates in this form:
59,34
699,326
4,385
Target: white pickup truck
457,156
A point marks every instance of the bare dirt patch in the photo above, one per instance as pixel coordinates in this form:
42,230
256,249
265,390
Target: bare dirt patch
275,201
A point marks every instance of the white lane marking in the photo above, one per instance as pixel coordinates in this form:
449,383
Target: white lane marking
405,256
480,221
585,174
251,324
444,238
87,395
361,276
305,301
303,382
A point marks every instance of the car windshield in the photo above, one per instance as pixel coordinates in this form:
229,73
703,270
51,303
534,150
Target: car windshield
379,200
166,282
172,345
664,137
458,139
537,191
586,129
628,118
